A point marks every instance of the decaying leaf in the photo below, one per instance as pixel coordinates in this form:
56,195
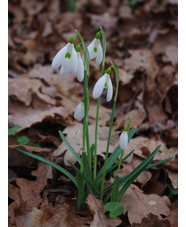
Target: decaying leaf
152,221
138,205
96,208
30,190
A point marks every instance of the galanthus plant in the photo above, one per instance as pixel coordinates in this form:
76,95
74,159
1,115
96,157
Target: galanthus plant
88,179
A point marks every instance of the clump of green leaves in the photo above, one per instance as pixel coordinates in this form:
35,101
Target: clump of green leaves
88,179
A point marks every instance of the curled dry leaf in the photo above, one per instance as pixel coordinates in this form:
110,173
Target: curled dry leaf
30,190
48,216
27,116
96,208
74,137
138,205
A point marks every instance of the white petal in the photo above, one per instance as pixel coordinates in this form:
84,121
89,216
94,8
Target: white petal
80,70
57,61
79,111
91,49
99,57
123,140
73,61
63,71
110,90
98,88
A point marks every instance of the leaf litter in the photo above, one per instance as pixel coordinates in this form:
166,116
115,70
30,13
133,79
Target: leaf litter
145,50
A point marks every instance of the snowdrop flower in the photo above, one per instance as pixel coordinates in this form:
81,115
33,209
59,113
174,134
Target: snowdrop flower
79,111
103,82
66,58
80,69
95,49
123,140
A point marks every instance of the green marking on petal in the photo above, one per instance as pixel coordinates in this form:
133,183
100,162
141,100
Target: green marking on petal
95,49
105,85
68,55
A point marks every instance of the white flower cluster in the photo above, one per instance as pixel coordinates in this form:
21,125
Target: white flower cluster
69,59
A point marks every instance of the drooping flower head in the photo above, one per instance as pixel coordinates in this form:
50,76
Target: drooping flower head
123,140
95,49
79,111
66,58
103,82
80,69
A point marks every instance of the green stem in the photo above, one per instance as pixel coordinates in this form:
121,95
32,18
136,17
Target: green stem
98,104
86,94
119,164
110,129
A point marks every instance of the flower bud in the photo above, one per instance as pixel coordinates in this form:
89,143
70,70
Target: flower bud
123,140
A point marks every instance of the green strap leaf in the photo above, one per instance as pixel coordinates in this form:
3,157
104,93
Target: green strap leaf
56,166
89,182
71,149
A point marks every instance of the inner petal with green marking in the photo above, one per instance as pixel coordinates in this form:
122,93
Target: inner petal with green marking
68,55
95,49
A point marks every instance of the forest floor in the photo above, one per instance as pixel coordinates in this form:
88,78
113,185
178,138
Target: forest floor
142,43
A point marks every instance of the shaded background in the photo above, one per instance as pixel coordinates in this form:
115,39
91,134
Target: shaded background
142,43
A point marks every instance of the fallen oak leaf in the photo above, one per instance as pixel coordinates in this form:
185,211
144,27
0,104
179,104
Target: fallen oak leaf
139,205
30,190
31,148
27,116
96,208
152,221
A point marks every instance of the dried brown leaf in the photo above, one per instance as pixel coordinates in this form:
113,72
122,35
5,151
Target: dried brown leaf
96,208
30,190
152,221
138,205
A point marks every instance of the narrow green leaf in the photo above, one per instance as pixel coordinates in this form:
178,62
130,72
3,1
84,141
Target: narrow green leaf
131,133
159,163
115,189
71,149
56,166
97,180
115,208
92,149
136,172
86,167
81,191
131,176
90,183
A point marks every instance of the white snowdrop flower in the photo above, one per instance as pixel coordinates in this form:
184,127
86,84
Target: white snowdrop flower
80,69
67,58
103,82
123,140
79,111
95,49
